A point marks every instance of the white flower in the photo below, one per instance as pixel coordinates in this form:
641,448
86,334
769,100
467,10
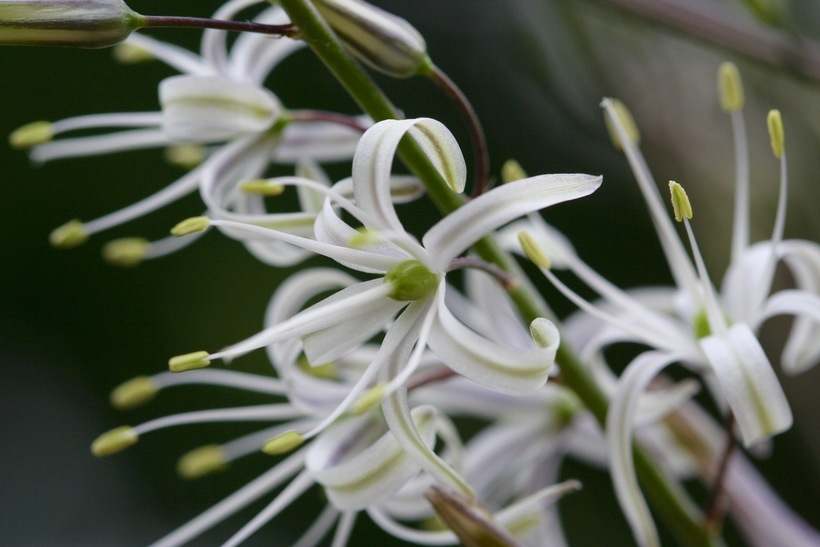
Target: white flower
709,331
412,287
220,98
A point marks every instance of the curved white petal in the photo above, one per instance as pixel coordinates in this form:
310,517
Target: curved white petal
98,144
357,468
171,54
211,109
452,235
322,141
802,349
503,368
373,163
213,45
749,383
619,424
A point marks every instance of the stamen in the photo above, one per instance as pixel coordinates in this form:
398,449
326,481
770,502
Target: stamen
126,252
512,171
730,87
776,134
133,393
680,201
283,443
71,234
262,187
189,361
31,134
202,461
186,156
368,399
129,54
629,128
190,226
114,441
533,251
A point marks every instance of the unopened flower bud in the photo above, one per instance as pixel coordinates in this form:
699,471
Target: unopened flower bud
74,23
379,39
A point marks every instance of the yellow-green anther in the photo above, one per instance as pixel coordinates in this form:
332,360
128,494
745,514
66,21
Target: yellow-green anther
410,280
189,361
730,87
327,370
71,234
776,133
680,201
31,134
73,23
512,171
533,251
190,226
202,461
368,399
130,54
186,156
700,325
626,121
379,39
133,393
285,442
114,441
770,12
262,187
125,252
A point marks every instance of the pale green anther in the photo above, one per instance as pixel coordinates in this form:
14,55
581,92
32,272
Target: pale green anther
31,134
190,226
411,280
730,87
262,187
533,251
133,393
114,441
512,171
71,234
626,121
680,201
368,399
130,54
186,156
285,442
326,370
776,133
72,23
189,361
125,252
202,461
379,39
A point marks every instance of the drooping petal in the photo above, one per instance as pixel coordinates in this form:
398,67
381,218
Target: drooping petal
748,382
373,163
503,368
212,109
360,464
452,235
802,349
619,425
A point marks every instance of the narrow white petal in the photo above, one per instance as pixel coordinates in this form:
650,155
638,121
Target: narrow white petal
802,350
452,235
99,144
119,119
322,141
748,383
499,367
214,42
358,470
211,109
619,424
170,54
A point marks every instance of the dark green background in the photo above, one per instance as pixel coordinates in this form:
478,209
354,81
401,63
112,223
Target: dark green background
72,327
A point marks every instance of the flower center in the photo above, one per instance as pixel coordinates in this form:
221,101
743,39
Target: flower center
411,280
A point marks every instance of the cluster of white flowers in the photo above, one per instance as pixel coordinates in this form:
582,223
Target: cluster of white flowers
371,377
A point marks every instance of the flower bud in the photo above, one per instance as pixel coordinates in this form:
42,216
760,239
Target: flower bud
76,23
381,40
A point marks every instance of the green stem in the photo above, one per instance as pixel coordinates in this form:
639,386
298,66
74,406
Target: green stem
671,502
